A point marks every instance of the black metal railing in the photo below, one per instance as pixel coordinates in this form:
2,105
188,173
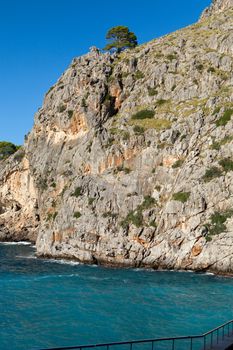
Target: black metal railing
196,342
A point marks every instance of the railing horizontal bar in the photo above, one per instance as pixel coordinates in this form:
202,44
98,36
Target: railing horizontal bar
140,341
125,343
215,329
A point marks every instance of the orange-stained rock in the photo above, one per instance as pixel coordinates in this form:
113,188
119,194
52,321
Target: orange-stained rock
78,123
114,160
196,250
115,91
169,161
87,169
57,237
140,241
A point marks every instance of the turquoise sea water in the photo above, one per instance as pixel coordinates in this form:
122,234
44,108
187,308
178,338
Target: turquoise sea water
50,304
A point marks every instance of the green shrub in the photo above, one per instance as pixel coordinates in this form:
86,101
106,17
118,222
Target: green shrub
225,140
51,216
138,75
216,146
134,218
90,200
181,196
183,137
122,168
225,118
77,192
61,108
77,215
125,135
83,103
42,184
152,91
125,74
138,130
211,70
178,163
126,170
171,57
70,113
143,114
109,214
217,224
7,149
173,87
227,164
153,224
147,203
161,102
200,67
212,173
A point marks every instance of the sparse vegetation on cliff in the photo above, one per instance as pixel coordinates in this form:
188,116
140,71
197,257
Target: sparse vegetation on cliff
225,118
181,196
7,149
217,223
143,114
212,173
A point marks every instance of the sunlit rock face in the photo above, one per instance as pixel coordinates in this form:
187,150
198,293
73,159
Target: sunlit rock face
130,161
217,6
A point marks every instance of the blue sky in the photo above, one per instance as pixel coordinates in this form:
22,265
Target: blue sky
39,38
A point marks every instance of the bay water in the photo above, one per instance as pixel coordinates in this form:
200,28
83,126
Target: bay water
47,303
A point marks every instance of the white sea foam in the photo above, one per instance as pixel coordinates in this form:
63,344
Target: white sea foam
16,243
26,256
63,262
93,265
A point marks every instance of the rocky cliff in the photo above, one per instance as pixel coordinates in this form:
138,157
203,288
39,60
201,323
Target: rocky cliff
216,7
130,160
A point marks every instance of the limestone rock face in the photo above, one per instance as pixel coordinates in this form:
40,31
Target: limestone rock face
130,159
217,6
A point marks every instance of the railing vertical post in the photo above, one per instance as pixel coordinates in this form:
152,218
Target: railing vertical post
173,344
228,327
211,341
204,343
217,336
152,346
191,343
131,346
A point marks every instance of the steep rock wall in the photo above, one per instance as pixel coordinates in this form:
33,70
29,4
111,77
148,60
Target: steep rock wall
101,185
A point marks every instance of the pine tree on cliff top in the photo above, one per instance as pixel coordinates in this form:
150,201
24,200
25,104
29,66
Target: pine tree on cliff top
120,38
